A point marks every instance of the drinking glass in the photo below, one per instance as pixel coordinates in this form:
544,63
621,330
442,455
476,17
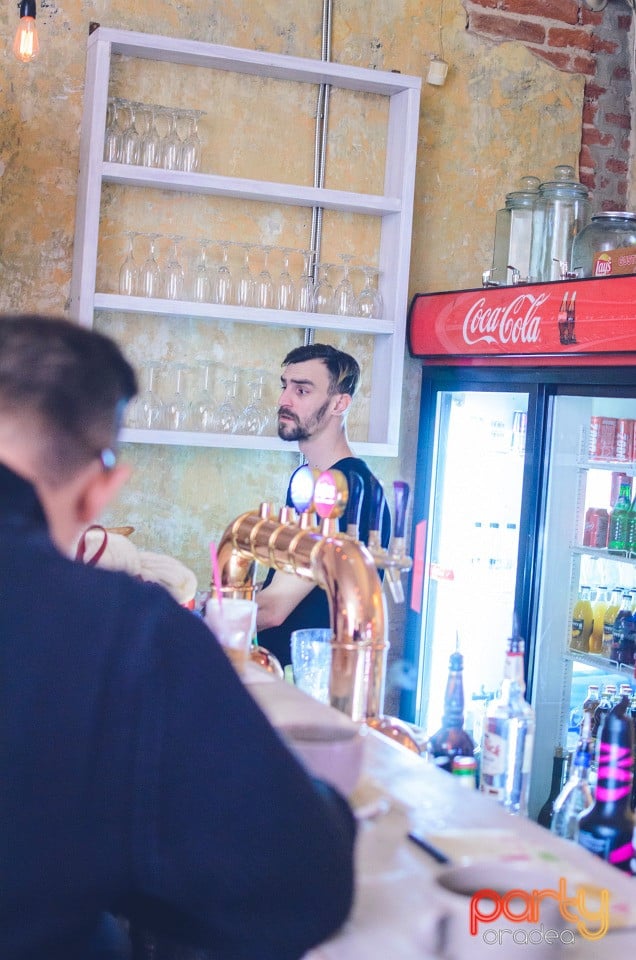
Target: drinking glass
304,294
113,138
203,281
203,407
286,287
150,140
226,414
255,417
174,278
223,288
131,141
264,287
149,282
344,297
245,282
323,292
176,409
191,146
129,270
171,144
146,410
369,301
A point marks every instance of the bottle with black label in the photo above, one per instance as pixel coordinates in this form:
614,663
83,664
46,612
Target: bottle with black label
559,766
451,740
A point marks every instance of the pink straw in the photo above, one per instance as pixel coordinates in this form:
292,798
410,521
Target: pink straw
216,573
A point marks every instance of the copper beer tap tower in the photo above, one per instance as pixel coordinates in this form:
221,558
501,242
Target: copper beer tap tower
339,563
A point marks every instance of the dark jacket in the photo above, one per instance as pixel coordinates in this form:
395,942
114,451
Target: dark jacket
139,776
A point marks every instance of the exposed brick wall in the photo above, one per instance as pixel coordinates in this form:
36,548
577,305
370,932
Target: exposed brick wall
575,40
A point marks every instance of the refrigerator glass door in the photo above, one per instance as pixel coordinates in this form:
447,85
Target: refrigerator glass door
583,473
473,539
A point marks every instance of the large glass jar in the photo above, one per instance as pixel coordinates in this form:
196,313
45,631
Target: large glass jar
561,211
606,231
513,233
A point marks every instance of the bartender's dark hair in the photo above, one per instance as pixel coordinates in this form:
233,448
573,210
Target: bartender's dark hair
68,386
344,370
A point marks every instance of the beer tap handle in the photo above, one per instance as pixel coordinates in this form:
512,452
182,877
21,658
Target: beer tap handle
398,561
354,506
374,542
401,494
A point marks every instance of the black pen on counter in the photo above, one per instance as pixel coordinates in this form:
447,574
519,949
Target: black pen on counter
430,848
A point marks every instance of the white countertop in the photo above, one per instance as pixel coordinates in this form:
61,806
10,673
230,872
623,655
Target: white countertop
402,913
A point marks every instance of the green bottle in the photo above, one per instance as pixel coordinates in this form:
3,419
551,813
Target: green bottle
619,521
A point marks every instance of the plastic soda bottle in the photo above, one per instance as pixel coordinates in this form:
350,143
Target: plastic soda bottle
620,518
582,618
622,627
599,609
576,795
608,621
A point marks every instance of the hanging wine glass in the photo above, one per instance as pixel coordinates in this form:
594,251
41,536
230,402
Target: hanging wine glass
255,417
149,282
264,286
203,407
176,408
323,292
113,138
203,280
344,298
245,282
146,410
223,286
226,414
369,303
129,270
286,288
304,294
174,276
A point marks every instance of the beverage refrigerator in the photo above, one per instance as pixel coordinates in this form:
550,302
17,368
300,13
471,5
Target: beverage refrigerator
528,406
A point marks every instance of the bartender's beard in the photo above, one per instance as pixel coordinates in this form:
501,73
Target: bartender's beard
300,429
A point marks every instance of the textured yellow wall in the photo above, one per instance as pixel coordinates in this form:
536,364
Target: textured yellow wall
501,114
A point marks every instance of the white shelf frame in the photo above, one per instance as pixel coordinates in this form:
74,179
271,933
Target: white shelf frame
394,208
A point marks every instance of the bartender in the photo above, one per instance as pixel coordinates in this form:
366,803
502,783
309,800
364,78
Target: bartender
318,384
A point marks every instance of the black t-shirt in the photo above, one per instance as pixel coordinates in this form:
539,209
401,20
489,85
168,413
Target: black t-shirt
313,610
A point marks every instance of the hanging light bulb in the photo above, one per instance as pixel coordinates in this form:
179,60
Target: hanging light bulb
26,45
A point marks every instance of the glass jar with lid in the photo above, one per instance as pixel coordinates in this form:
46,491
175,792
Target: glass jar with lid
561,211
513,233
609,230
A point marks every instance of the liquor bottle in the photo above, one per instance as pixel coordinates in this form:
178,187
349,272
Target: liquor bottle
506,753
576,796
582,621
451,740
608,621
571,319
607,828
559,765
619,520
599,609
591,702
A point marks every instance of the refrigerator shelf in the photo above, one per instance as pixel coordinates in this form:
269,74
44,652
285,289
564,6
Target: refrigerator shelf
621,557
602,663
613,466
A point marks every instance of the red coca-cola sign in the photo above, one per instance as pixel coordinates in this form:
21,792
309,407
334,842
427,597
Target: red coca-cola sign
570,321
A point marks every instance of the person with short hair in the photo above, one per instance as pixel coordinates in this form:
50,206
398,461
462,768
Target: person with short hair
139,777
318,385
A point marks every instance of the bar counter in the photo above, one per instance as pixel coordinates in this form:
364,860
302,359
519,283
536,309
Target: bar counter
407,906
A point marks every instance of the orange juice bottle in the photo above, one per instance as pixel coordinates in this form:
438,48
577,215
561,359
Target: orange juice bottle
608,621
599,609
582,620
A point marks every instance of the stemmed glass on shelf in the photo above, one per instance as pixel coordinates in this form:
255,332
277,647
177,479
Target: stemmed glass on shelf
174,275
191,144
128,272
286,290
305,287
114,132
203,407
264,295
323,291
130,141
245,281
344,297
146,410
255,416
226,414
177,409
369,301
149,280
223,287
150,140
203,280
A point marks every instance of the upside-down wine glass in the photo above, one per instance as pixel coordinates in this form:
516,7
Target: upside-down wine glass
174,278
264,287
129,270
223,287
149,281
369,301
113,138
226,414
245,280
255,416
323,292
203,281
286,288
344,297
146,410
191,146
176,408
131,141
305,287
203,407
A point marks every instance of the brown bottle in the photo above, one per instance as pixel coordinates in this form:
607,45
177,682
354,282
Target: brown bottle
451,740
